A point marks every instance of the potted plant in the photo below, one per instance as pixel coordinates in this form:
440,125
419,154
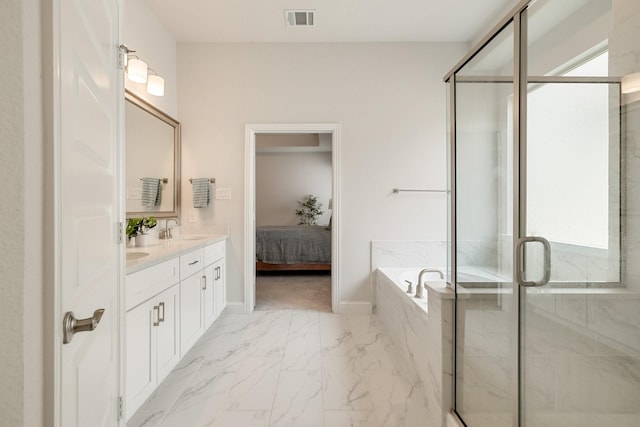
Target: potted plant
309,210
138,227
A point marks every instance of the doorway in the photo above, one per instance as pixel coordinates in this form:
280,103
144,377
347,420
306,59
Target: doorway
291,275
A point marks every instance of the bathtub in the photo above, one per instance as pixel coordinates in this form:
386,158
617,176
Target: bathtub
422,332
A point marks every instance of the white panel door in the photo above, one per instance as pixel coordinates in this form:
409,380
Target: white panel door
87,102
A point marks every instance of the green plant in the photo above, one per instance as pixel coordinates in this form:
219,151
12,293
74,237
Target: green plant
137,226
309,210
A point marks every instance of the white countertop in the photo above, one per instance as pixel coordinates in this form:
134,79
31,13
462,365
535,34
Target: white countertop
162,250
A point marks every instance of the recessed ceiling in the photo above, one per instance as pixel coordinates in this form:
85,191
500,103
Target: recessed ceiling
334,21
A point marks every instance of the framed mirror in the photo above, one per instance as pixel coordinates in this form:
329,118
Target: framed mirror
152,140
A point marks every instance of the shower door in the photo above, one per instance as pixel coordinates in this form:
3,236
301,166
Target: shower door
545,219
577,368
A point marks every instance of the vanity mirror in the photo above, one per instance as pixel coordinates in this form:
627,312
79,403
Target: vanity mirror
153,154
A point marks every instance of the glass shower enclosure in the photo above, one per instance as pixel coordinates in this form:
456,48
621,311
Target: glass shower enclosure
545,218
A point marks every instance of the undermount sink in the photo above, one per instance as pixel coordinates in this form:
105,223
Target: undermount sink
136,255
193,237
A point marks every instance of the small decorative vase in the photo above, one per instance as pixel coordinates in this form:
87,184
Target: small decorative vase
142,240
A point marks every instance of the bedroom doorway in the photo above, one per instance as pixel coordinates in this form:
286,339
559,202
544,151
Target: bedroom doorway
288,266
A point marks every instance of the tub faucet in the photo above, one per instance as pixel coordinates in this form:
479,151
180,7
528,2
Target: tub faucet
166,233
419,286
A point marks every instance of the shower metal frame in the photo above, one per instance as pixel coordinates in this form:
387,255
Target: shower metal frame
518,15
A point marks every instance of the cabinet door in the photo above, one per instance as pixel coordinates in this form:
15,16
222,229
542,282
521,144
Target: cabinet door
220,289
191,326
168,331
208,296
141,369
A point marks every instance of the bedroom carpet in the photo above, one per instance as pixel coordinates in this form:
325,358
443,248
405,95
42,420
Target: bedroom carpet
300,291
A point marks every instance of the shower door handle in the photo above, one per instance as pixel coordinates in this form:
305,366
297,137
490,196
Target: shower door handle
519,261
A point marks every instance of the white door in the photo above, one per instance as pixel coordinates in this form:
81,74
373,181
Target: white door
88,98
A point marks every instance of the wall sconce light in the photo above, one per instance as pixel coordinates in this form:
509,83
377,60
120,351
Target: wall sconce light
138,72
155,84
631,83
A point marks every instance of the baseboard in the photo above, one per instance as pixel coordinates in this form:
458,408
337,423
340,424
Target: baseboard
453,420
354,307
234,308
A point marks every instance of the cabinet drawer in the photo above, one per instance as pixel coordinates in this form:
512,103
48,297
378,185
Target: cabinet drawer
214,252
191,263
144,284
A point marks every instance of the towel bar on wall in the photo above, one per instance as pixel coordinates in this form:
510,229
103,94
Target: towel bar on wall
163,180
403,190
211,180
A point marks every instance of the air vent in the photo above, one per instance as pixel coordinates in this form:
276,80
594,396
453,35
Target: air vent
299,18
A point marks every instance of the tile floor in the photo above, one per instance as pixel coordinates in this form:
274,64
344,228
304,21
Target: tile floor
288,368
293,291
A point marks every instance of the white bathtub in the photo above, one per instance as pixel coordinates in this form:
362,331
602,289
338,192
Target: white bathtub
421,330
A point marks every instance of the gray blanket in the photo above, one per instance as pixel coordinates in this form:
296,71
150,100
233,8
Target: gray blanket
301,244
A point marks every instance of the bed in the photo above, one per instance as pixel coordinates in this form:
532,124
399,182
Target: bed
302,247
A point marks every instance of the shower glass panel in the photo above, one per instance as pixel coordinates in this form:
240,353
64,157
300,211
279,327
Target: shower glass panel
485,371
576,366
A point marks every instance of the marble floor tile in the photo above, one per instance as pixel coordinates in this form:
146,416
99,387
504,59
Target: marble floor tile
298,399
344,384
350,419
287,368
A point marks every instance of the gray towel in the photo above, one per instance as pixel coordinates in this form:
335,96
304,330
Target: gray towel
151,192
201,195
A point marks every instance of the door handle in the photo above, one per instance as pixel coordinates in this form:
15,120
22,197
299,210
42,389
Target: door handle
547,261
156,314
71,325
161,316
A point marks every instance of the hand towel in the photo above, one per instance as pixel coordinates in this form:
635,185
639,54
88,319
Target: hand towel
201,195
151,192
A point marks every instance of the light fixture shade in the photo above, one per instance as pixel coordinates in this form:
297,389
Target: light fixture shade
631,83
137,70
155,85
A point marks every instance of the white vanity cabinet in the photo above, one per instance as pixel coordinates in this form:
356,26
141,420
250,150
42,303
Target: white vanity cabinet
191,302
202,295
153,334
169,306
214,296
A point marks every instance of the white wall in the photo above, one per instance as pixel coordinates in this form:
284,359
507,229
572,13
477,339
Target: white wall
12,246
21,317
390,102
284,178
156,46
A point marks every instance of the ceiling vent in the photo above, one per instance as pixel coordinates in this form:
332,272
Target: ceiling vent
299,18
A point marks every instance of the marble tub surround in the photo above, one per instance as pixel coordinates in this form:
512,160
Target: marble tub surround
162,250
407,254
423,334
288,368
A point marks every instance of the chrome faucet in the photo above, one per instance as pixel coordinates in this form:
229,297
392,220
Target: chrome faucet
420,286
166,233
